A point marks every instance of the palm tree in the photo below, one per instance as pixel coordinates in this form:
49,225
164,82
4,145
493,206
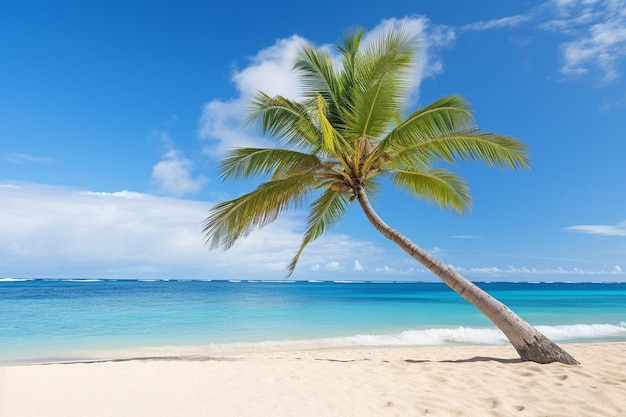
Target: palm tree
344,136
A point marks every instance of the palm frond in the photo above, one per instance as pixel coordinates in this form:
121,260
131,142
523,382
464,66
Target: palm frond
490,148
333,143
316,71
231,220
325,212
346,75
445,116
382,78
249,162
436,185
350,46
288,121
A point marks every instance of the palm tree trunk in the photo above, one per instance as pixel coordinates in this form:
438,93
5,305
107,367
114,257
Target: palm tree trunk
530,344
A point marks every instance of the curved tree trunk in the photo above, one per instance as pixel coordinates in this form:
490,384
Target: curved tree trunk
530,344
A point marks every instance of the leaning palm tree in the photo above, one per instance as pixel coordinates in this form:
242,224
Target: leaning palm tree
345,135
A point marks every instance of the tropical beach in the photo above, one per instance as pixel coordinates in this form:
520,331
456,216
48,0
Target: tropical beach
285,348
423,381
216,209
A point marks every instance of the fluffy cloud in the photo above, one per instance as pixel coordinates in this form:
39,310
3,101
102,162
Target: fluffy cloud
270,71
221,123
50,231
332,266
172,175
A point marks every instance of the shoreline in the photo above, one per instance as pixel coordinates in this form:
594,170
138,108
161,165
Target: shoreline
355,381
113,354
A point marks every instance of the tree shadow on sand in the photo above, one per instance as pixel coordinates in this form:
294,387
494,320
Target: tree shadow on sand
470,360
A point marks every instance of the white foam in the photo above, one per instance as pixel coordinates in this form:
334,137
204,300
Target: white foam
442,336
448,336
583,331
14,279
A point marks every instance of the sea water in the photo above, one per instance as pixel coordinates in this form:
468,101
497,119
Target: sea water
44,319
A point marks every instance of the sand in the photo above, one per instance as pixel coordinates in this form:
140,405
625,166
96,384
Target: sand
424,381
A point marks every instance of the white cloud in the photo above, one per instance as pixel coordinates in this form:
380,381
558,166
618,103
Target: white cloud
54,231
50,231
270,70
358,266
523,270
222,126
598,32
595,32
332,266
172,175
411,271
606,230
504,22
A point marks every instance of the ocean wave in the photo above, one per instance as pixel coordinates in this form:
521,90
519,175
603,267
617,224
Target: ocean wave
440,336
583,331
447,336
15,279
81,280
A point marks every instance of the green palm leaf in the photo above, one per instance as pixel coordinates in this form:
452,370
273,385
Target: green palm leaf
325,212
437,185
382,77
317,74
490,148
444,117
288,121
249,162
231,220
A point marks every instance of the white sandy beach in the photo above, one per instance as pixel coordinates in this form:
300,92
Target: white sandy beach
432,381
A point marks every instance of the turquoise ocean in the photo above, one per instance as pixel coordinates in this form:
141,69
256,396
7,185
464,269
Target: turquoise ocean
57,319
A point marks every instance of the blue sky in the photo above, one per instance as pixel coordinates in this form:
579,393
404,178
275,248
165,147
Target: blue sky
113,115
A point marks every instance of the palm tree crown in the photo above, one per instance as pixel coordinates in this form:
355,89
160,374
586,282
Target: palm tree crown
347,132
